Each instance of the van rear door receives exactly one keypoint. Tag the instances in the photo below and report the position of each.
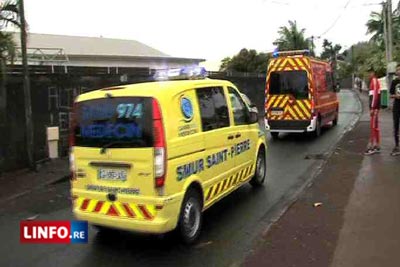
(288, 96)
(113, 145)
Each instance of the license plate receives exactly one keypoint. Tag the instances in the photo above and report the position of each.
(112, 175)
(276, 112)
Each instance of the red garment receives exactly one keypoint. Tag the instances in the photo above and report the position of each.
(375, 136)
(374, 91)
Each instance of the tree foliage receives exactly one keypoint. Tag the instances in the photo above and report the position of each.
(246, 61)
(329, 50)
(292, 38)
(9, 15)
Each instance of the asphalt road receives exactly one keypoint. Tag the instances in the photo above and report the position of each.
(230, 231)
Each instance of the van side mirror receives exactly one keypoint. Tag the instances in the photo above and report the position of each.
(253, 118)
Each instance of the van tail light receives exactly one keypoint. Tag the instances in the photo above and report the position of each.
(313, 107)
(160, 152)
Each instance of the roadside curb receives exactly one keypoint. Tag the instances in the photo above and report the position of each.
(47, 183)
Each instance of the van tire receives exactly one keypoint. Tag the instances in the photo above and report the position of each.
(260, 174)
(274, 135)
(191, 206)
(317, 132)
(335, 121)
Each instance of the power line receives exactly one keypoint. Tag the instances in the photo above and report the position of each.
(336, 20)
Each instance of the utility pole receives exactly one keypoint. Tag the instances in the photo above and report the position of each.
(385, 29)
(27, 90)
(390, 31)
(388, 26)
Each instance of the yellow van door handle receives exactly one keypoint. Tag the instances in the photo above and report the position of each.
(230, 137)
(238, 135)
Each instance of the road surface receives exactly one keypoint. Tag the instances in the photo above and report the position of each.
(230, 231)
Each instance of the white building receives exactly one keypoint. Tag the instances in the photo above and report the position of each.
(78, 51)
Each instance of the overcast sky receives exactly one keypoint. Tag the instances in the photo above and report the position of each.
(210, 29)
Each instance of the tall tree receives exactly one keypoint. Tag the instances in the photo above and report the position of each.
(292, 38)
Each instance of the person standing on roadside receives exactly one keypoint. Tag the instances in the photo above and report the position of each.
(375, 105)
(358, 83)
(395, 95)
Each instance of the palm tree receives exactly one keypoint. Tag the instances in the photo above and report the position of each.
(9, 14)
(375, 26)
(291, 38)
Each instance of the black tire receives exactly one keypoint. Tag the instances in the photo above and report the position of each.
(317, 132)
(191, 217)
(335, 121)
(261, 170)
(275, 135)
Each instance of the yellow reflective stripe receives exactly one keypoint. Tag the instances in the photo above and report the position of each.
(305, 110)
(299, 112)
(152, 210)
(91, 205)
(105, 208)
(292, 113)
(278, 100)
(299, 62)
(271, 99)
(79, 202)
(283, 65)
(284, 102)
(309, 104)
(120, 209)
(137, 211)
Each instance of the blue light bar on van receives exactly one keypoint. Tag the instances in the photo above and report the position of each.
(304, 52)
(185, 73)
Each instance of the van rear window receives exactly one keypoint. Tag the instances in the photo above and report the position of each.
(289, 82)
(119, 122)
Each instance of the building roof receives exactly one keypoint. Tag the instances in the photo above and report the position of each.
(91, 46)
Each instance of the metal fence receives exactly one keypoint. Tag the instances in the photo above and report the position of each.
(53, 89)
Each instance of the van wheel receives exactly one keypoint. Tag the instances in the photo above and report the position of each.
(275, 135)
(335, 121)
(191, 217)
(261, 170)
(317, 131)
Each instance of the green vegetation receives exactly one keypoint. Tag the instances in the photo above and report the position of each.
(246, 61)
(355, 60)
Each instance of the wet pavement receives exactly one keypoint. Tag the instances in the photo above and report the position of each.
(230, 230)
(349, 216)
(371, 234)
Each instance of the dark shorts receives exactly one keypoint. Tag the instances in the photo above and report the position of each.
(378, 106)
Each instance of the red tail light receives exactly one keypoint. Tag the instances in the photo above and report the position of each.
(159, 146)
(312, 107)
